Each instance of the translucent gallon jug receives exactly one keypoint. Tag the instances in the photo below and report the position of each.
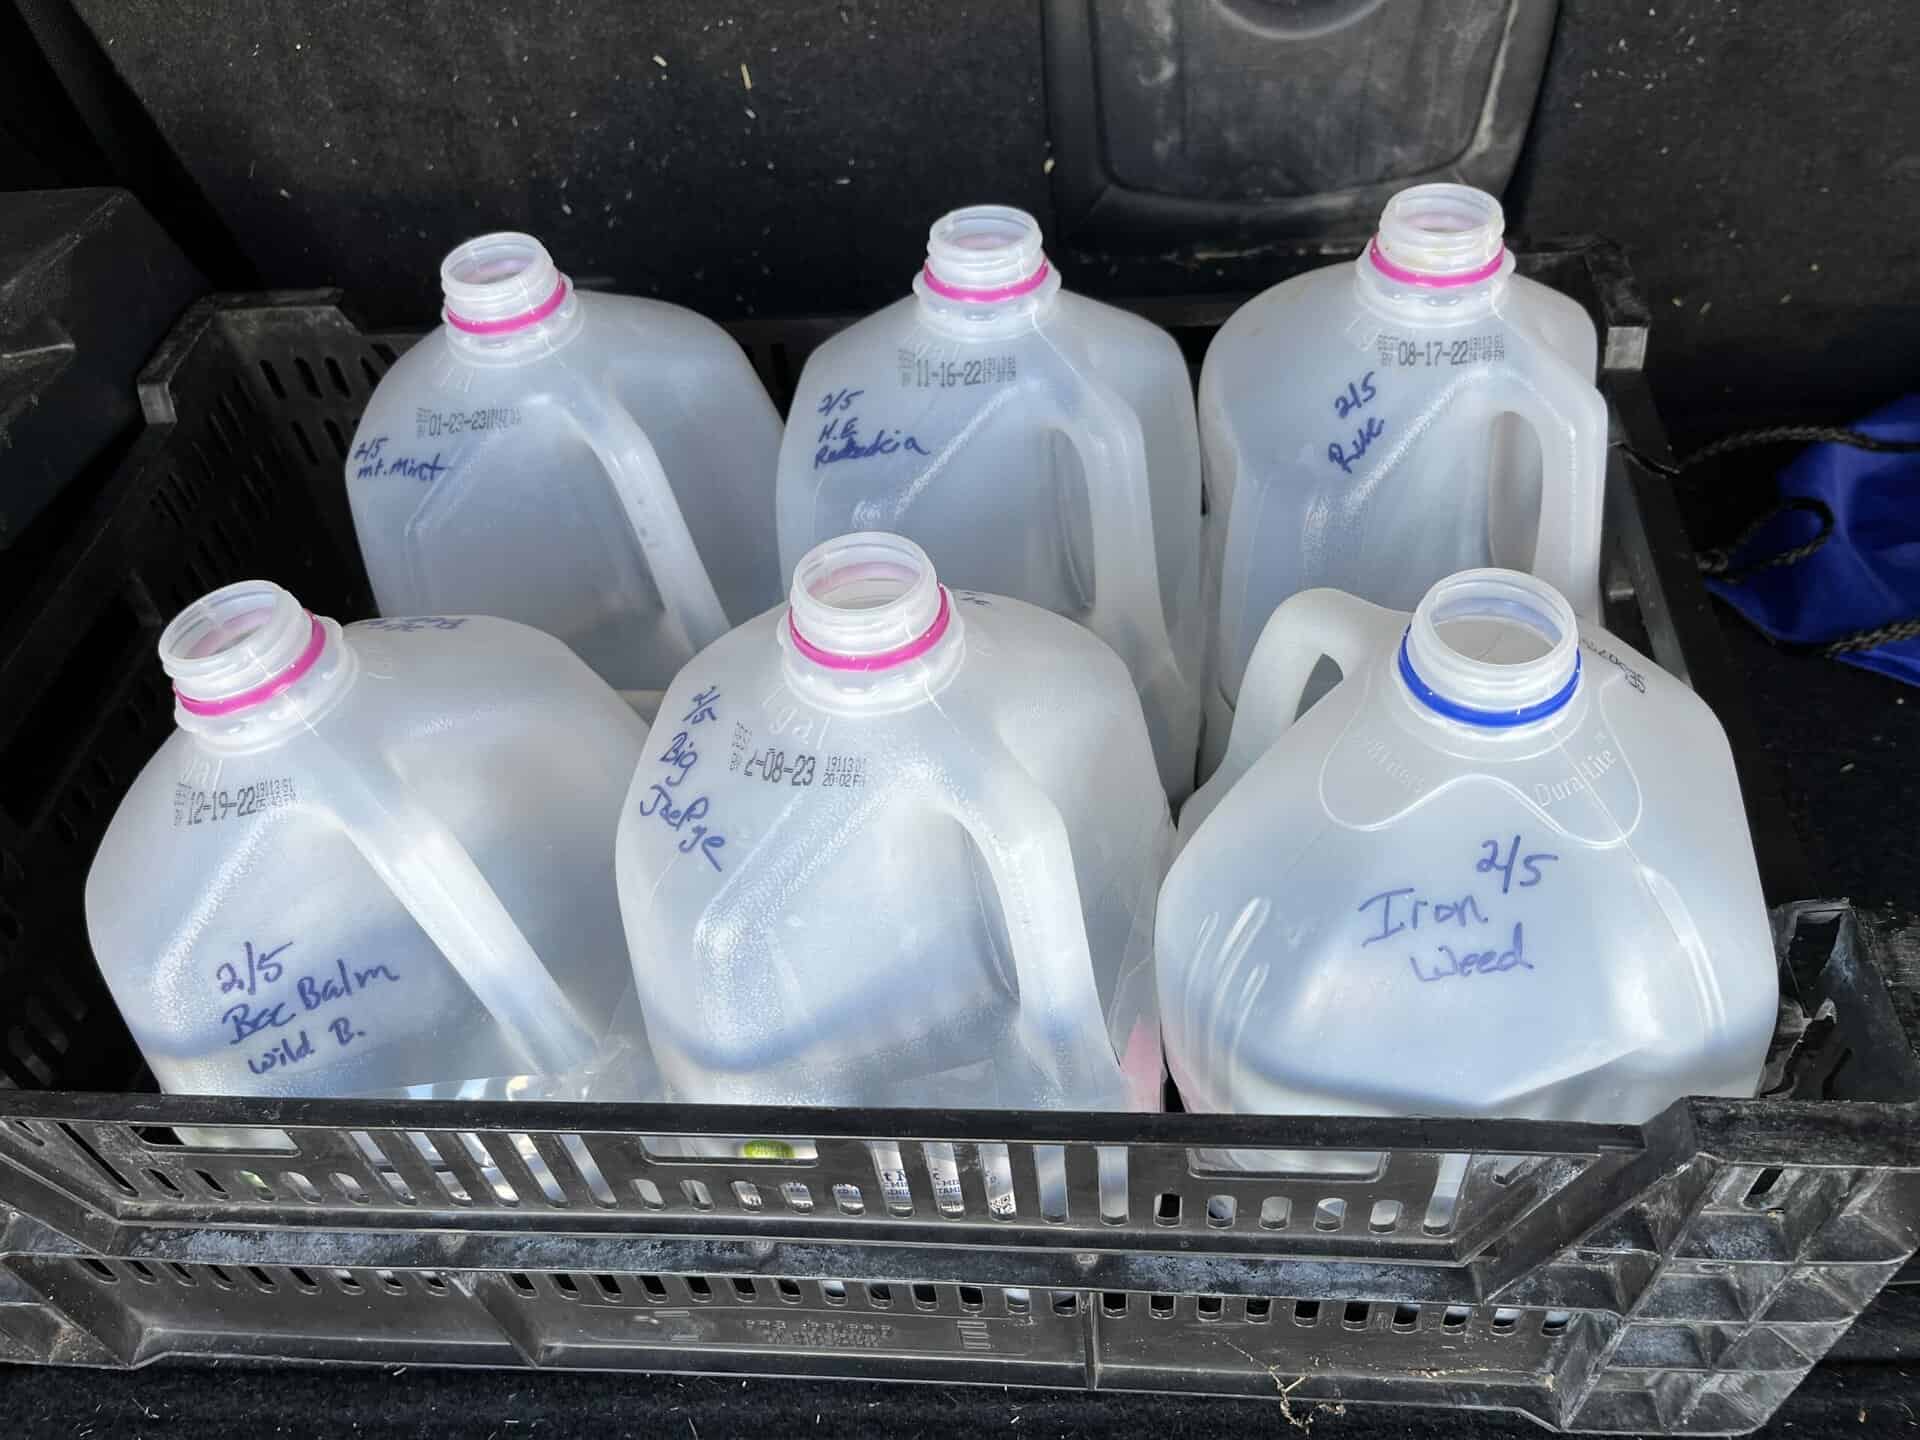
(1376, 425)
(1501, 869)
(597, 466)
(898, 845)
(371, 860)
(1037, 444)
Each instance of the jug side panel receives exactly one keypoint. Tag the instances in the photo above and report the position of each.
(1141, 362)
(252, 951)
(557, 750)
(694, 392)
(898, 427)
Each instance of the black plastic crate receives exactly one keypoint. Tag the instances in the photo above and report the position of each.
(1678, 1277)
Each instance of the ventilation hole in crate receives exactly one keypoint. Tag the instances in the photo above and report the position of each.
(537, 1166)
(307, 377)
(335, 435)
(391, 1282)
(182, 1275)
(386, 353)
(564, 1283)
(212, 1182)
(589, 1168)
(383, 1167)
(254, 1182)
(747, 1195)
(272, 377)
(372, 375)
(306, 445)
(996, 1178)
(1455, 1317)
(697, 1194)
(943, 1172)
(1160, 1307)
(1166, 1209)
(925, 1296)
(1354, 1317)
(798, 1198)
(1113, 1302)
(1385, 1218)
(1449, 1175)
(220, 1277)
(879, 1295)
(890, 1171)
(99, 1271)
(649, 1194)
(351, 1188)
(1259, 1310)
(653, 1287)
(1761, 1196)
(338, 376)
(261, 1279)
(141, 1272)
(1209, 1307)
(490, 1171)
(1406, 1317)
(834, 1292)
(1505, 1321)
(609, 1288)
(9, 925)
(1050, 1176)
(847, 1197)
(1306, 1312)
(218, 427)
(112, 1176)
(1019, 1301)
(348, 1282)
(303, 1278)
(236, 405)
(699, 1287)
(434, 1282)
(1330, 1214)
(1112, 1163)
(67, 830)
(743, 1288)
(1556, 1322)
(1220, 1211)
(1066, 1302)
(787, 1290)
(1275, 1212)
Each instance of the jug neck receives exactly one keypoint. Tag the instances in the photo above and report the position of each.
(1439, 255)
(985, 272)
(868, 626)
(251, 665)
(505, 300)
(1493, 653)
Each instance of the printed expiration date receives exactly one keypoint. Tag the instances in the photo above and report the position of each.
(927, 372)
(193, 806)
(1399, 351)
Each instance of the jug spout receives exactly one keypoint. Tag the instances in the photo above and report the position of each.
(500, 289)
(249, 658)
(1493, 649)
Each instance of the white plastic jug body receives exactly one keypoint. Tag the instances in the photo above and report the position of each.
(895, 845)
(1375, 426)
(371, 860)
(597, 466)
(1501, 869)
(1037, 444)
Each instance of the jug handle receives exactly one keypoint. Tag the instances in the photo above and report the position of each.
(653, 514)
(1113, 455)
(1307, 627)
(435, 878)
(1023, 839)
(1569, 417)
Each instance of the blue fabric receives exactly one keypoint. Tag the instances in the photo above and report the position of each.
(1868, 572)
